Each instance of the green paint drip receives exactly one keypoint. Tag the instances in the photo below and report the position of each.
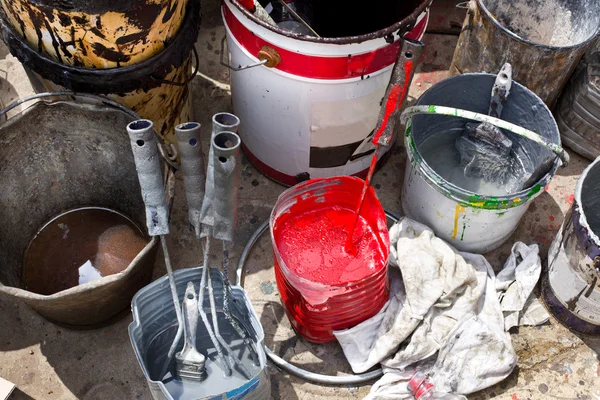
(462, 235)
(431, 109)
(534, 190)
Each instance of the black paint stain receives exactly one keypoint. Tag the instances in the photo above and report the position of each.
(97, 32)
(143, 15)
(134, 37)
(170, 11)
(109, 54)
(80, 20)
(64, 19)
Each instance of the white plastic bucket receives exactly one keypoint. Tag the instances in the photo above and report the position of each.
(312, 115)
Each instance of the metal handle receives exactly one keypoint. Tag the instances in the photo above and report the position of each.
(500, 123)
(192, 166)
(267, 56)
(147, 163)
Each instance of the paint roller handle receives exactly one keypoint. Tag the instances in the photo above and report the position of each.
(192, 167)
(147, 163)
(402, 74)
(500, 123)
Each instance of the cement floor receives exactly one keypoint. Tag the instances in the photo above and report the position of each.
(48, 362)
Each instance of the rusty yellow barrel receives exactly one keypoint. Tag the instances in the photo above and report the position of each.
(137, 52)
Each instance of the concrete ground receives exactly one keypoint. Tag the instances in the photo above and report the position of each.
(49, 362)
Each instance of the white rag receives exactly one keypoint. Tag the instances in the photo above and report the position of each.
(444, 317)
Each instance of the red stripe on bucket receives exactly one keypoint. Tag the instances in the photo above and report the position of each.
(318, 67)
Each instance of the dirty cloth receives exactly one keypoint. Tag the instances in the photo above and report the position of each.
(444, 317)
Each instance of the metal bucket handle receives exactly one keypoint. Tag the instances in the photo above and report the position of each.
(500, 123)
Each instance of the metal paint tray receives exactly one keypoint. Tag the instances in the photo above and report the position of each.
(153, 330)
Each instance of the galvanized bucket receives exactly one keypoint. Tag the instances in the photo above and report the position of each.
(68, 152)
(571, 287)
(578, 109)
(154, 327)
(467, 220)
(156, 87)
(516, 32)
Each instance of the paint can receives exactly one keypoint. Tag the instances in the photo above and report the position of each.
(150, 78)
(578, 109)
(318, 305)
(542, 40)
(571, 286)
(471, 221)
(154, 327)
(85, 162)
(310, 110)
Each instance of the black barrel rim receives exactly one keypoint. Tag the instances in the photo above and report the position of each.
(147, 74)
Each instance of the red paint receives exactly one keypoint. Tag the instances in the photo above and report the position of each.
(395, 100)
(248, 5)
(323, 286)
(319, 67)
(552, 218)
(514, 397)
(571, 199)
(350, 244)
(312, 245)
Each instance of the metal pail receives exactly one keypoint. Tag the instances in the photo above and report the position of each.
(542, 40)
(311, 110)
(467, 220)
(571, 287)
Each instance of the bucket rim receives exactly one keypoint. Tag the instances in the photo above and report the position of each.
(513, 35)
(320, 185)
(146, 74)
(578, 204)
(401, 27)
(467, 197)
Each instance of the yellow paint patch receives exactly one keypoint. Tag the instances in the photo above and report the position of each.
(517, 200)
(478, 203)
(459, 209)
(439, 215)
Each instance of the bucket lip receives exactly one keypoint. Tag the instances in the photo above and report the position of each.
(579, 205)
(146, 74)
(469, 198)
(402, 26)
(318, 285)
(539, 45)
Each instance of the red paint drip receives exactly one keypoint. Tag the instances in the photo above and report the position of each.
(350, 247)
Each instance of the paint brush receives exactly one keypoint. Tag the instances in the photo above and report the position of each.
(396, 92)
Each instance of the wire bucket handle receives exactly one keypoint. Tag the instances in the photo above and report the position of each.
(500, 123)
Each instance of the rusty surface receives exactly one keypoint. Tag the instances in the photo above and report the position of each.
(90, 34)
(146, 74)
(399, 28)
(271, 55)
(484, 46)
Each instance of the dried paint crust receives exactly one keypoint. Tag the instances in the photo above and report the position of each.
(109, 35)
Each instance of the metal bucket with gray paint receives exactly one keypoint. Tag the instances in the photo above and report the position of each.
(571, 287)
(468, 220)
(542, 40)
(154, 327)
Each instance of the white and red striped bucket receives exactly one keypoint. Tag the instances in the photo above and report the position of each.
(313, 114)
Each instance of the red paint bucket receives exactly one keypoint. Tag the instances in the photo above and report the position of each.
(324, 286)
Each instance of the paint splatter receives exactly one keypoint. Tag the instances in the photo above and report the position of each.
(569, 199)
(552, 218)
(459, 209)
(514, 397)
